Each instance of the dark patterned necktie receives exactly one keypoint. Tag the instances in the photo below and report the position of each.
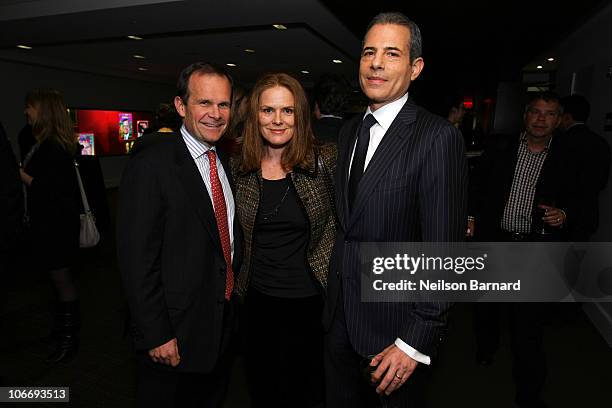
(357, 168)
(221, 216)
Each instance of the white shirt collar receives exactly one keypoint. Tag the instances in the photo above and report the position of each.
(385, 115)
(195, 146)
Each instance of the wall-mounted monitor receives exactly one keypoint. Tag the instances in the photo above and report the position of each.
(126, 130)
(142, 126)
(86, 140)
(113, 132)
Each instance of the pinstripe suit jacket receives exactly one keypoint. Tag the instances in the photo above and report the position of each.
(414, 189)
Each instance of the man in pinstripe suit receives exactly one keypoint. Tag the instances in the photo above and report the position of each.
(402, 177)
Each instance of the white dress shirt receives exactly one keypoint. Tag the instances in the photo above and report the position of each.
(198, 150)
(384, 116)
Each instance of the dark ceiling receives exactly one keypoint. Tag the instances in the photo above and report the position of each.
(468, 45)
(471, 45)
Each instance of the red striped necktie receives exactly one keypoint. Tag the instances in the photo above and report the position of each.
(221, 216)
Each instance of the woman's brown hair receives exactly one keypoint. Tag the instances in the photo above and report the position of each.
(52, 119)
(299, 147)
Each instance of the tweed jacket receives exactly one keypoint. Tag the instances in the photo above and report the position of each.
(314, 186)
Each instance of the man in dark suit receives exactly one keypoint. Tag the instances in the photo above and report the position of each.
(524, 189)
(331, 94)
(591, 152)
(402, 177)
(518, 174)
(178, 247)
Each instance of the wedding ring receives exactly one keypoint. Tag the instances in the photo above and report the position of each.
(397, 376)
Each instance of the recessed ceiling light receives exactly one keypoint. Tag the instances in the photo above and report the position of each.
(134, 37)
(337, 61)
(229, 64)
(138, 56)
(249, 50)
(539, 67)
(305, 72)
(279, 26)
(551, 59)
(143, 69)
(24, 47)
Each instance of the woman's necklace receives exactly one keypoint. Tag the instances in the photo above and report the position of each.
(266, 216)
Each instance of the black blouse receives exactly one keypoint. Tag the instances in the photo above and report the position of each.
(280, 243)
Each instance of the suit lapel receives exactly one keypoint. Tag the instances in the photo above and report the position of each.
(391, 144)
(196, 192)
(342, 183)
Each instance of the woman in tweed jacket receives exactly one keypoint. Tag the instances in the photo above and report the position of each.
(285, 203)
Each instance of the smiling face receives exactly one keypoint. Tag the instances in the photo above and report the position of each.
(385, 68)
(276, 116)
(207, 109)
(541, 119)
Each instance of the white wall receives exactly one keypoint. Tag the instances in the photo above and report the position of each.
(81, 90)
(586, 53)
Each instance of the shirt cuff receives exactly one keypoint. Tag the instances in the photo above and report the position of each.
(412, 353)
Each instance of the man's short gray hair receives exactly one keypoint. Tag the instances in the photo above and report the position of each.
(416, 41)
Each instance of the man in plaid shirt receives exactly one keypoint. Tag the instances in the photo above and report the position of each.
(524, 189)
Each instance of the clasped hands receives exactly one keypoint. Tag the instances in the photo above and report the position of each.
(393, 368)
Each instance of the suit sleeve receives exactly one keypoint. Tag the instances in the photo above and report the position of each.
(443, 189)
(140, 228)
(443, 205)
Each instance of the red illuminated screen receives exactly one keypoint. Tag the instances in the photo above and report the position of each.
(113, 131)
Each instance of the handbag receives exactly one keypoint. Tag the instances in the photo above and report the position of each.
(89, 235)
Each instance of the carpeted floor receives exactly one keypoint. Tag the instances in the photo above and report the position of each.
(102, 373)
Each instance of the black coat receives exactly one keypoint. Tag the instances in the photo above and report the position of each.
(170, 254)
(327, 130)
(53, 203)
(492, 180)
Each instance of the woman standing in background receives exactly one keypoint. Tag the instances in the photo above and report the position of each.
(52, 197)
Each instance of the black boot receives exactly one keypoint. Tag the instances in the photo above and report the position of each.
(67, 323)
